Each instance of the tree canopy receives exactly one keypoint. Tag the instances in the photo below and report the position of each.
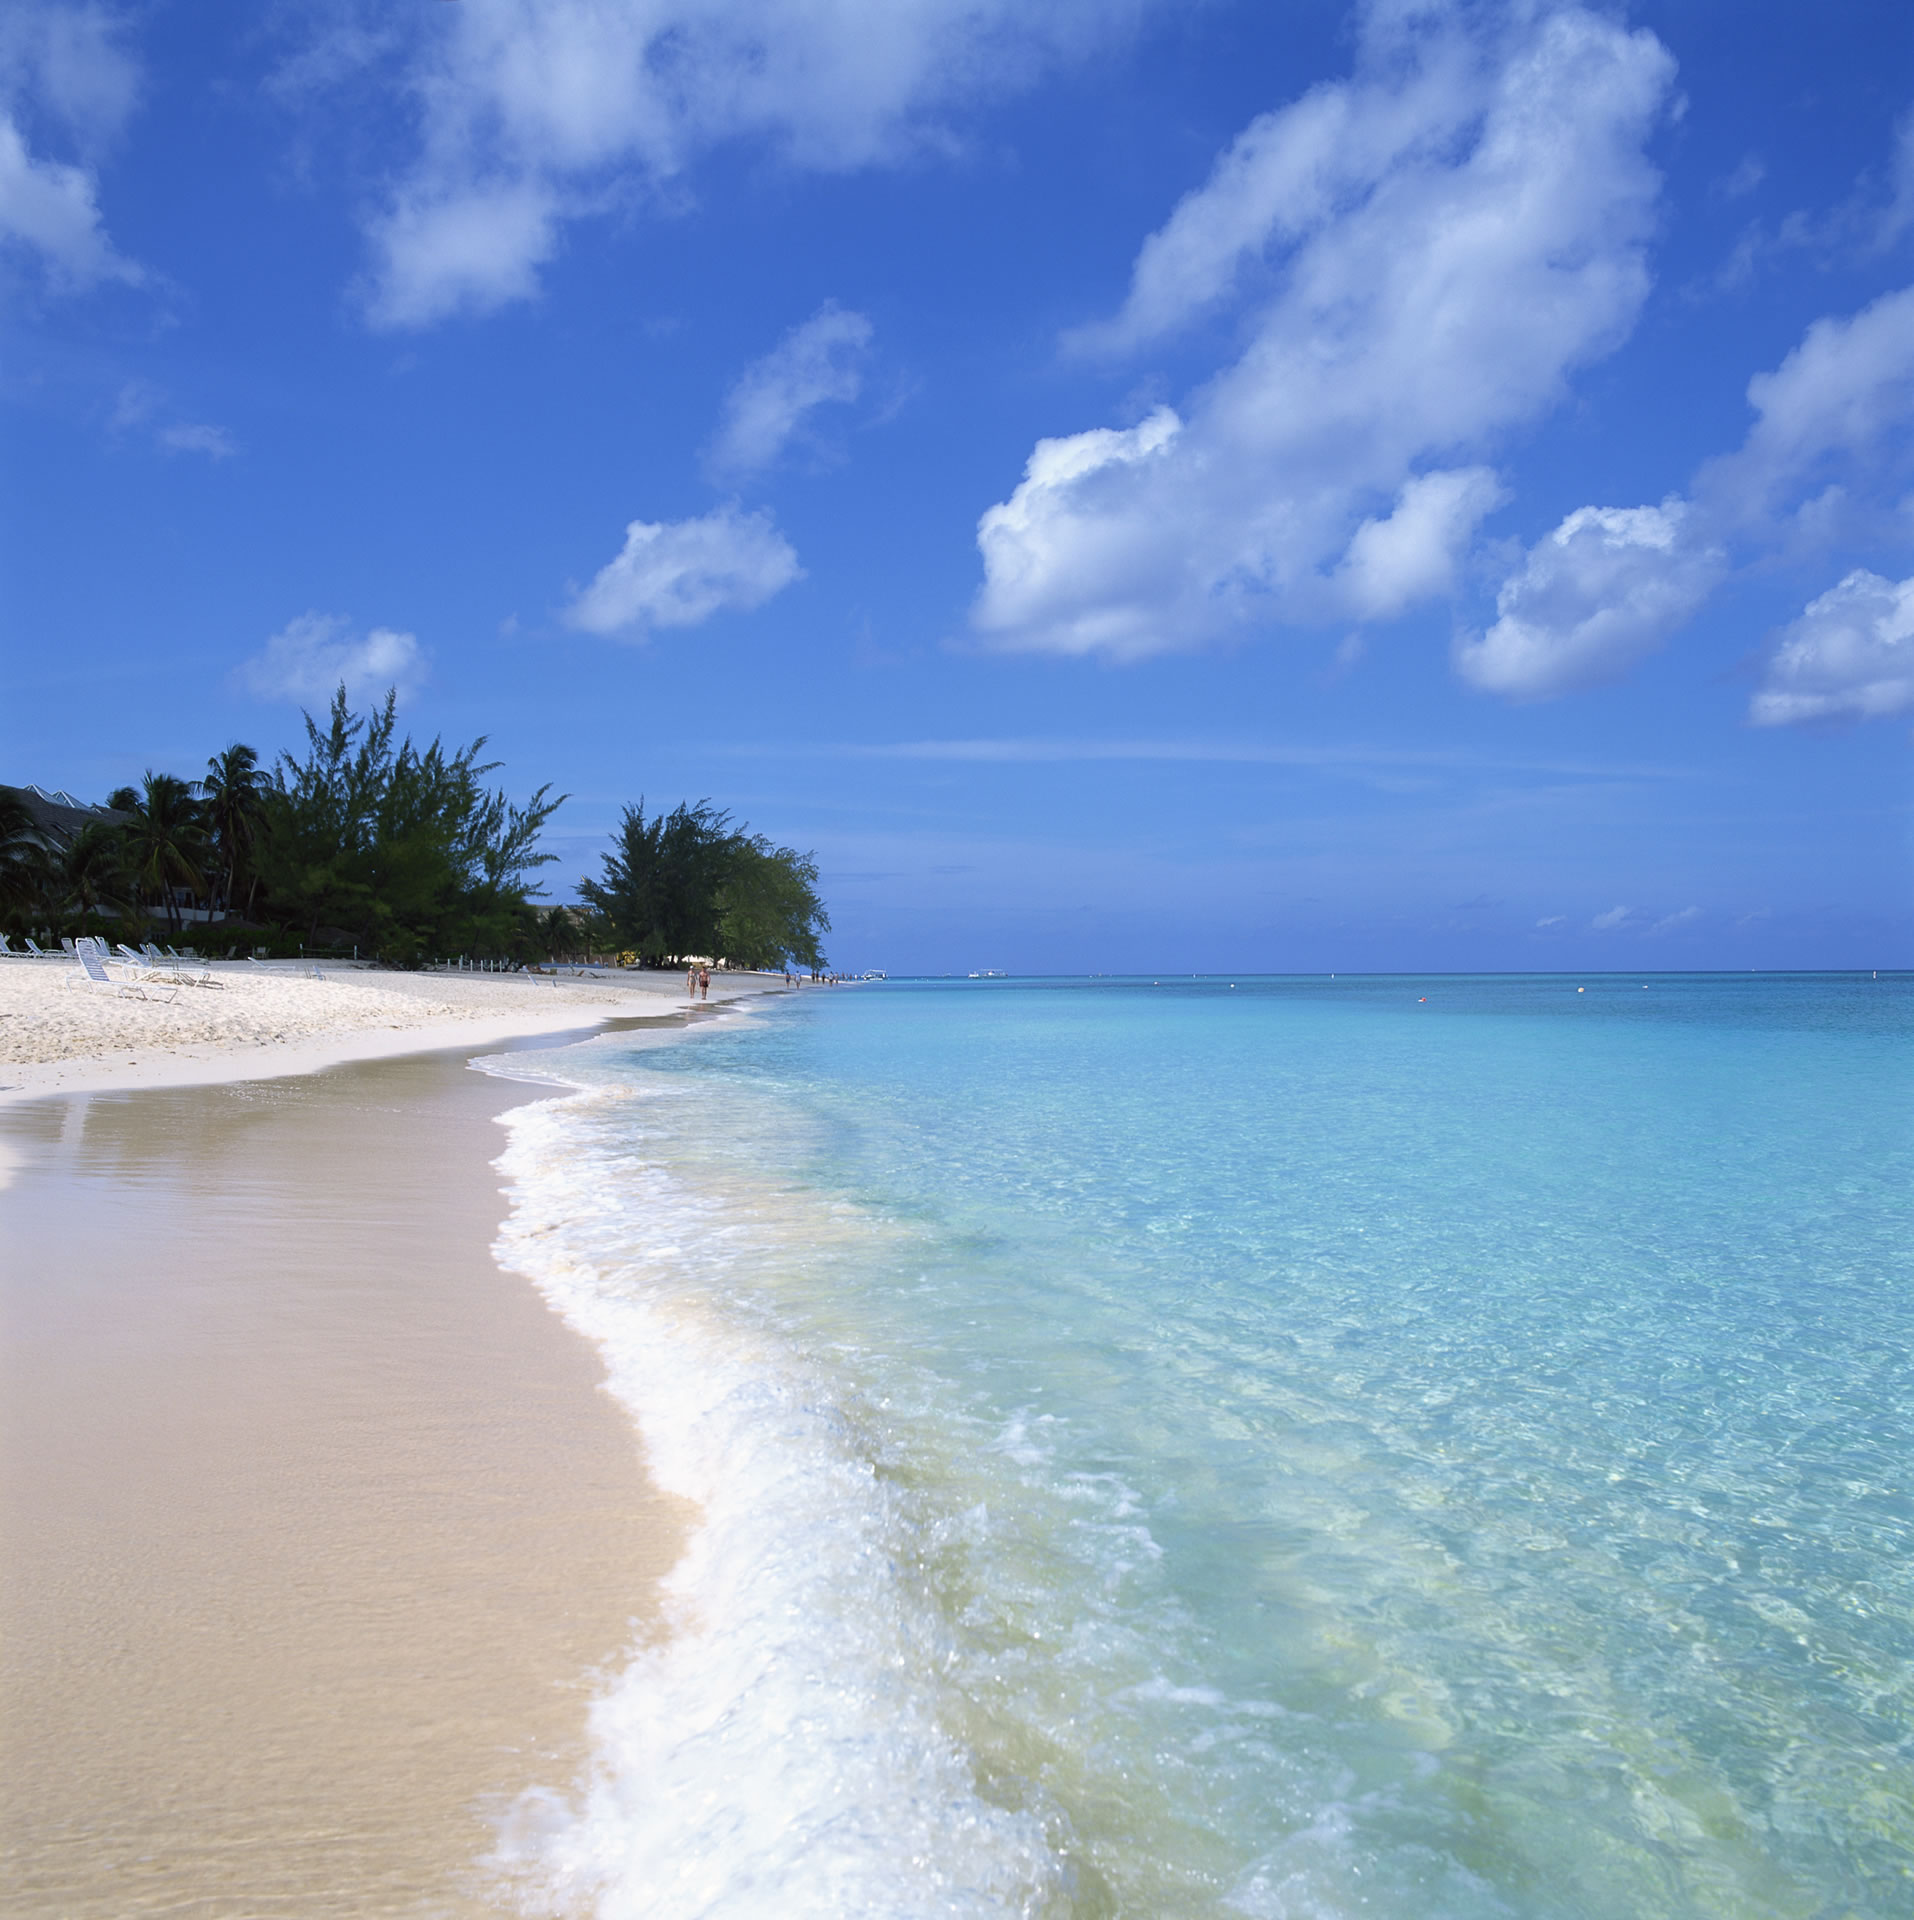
(400, 845)
(689, 882)
(403, 849)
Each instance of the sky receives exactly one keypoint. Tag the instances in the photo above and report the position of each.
(1135, 485)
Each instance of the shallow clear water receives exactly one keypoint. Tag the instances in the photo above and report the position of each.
(1283, 1447)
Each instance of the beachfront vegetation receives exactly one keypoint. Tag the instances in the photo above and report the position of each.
(368, 839)
(402, 845)
(689, 882)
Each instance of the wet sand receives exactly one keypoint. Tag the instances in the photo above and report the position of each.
(314, 1529)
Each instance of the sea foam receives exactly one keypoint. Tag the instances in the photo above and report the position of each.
(783, 1747)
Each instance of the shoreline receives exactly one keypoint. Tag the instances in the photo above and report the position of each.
(272, 1022)
(322, 1527)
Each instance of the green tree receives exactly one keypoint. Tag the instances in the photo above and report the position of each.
(233, 795)
(688, 882)
(166, 841)
(89, 874)
(662, 881)
(769, 912)
(402, 846)
(558, 933)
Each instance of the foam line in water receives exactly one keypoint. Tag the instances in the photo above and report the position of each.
(782, 1749)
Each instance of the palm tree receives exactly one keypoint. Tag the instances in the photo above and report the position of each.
(234, 807)
(89, 872)
(559, 932)
(166, 840)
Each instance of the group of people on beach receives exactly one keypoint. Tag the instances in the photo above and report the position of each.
(698, 981)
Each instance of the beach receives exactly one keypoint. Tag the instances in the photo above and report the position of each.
(1208, 1447)
(275, 1018)
(317, 1529)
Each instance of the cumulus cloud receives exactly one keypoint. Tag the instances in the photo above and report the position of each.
(63, 77)
(531, 116)
(1850, 656)
(814, 365)
(1287, 174)
(1607, 586)
(679, 573)
(1611, 584)
(311, 656)
(1614, 918)
(1840, 401)
(1443, 239)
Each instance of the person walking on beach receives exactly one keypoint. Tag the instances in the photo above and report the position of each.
(691, 983)
(704, 983)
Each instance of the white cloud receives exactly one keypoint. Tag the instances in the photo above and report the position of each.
(52, 210)
(478, 250)
(1460, 226)
(1674, 922)
(1611, 584)
(1615, 917)
(138, 407)
(1289, 173)
(309, 657)
(215, 442)
(1847, 389)
(1850, 656)
(68, 60)
(1554, 920)
(61, 70)
(1606, 587)
(534, 115)
(1391, 564)
(679, 573)
(812, 366)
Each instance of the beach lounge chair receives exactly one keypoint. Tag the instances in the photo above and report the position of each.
(189, 974)
(144, 969)
(93, 973)
(38, 952)
(7, 952)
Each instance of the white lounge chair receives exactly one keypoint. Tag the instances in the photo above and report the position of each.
(38, 952)
(140, 961)
(93, 973)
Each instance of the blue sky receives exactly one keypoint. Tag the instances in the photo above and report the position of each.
(1132, 485)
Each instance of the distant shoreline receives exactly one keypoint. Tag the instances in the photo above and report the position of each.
(272, 1021)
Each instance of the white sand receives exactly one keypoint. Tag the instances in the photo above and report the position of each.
(264, 1021)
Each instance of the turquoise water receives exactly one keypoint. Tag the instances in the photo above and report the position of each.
(1286, 1447)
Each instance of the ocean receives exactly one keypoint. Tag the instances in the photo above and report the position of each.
(1286, 1447)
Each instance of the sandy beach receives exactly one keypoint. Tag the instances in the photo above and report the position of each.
(255, 1020)
(316, 1528)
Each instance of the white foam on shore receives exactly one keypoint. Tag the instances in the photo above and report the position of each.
(786, 1748)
